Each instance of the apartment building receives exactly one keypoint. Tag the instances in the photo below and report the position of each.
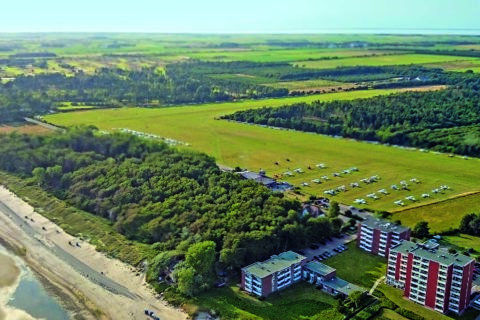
(278, 272)
(431, 276)
(377, 236)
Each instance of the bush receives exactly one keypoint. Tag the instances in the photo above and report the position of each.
(348, 213)
(261, 298)
(408, 314)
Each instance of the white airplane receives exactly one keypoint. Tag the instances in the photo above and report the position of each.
(321, 166)
(394, 187)
(325, 178)
(383, 191)
(425, 195)
(316, 181)
(399, 202)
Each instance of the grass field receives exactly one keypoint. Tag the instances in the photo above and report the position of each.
(382, 61)
(462, 241)
(348, 267)
(301, 301)
(281, 55)
(392, 315)
(441, 215)
(255, 147)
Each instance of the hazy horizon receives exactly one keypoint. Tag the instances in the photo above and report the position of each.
(247, 16)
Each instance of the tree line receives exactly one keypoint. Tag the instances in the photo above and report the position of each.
(162, 196)
(444, 120)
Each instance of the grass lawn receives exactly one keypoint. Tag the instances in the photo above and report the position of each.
(441, 215)
(255, 147)
(381, 61)
(462, 241)
(391, 315)
(301, 301)
(358, 266)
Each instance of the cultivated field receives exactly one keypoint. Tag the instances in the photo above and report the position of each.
(25, 128)
(309, 85)
(255, 147)
(385, 60)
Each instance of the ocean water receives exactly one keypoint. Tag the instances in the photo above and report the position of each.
(30, 297)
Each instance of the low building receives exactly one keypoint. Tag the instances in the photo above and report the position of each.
(341, 287)
(279, 272)
(377, 236)
(259, 177)
(430, 276)
(316, 272)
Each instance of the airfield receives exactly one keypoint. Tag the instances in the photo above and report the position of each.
(282, 151)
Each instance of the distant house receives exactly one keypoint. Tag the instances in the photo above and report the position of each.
(268, 182)
(259, 177)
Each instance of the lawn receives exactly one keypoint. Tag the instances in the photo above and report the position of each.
(381, 61)
(300, 301)
(255, 147)
(441, 215)
(358, 266)
(391, 315)
(463, 241)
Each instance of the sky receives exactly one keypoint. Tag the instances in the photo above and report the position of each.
(240, 16)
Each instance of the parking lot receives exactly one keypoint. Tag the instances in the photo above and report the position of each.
(328, 246)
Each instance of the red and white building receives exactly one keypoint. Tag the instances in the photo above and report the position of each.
(279, 272)
(377, 236)
(431, 277)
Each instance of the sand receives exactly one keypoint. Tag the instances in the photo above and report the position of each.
(81, 295)
(9, 271)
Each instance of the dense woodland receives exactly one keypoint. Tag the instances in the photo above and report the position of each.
(445, 120)
(153, 193)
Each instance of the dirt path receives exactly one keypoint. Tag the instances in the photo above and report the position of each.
(376, 284)
(77, 270)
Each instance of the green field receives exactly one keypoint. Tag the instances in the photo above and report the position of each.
(280, 55)
(301, 301)
(382, 61)
(372, 267)
(254, 147)
(441, 215)
(463, 241)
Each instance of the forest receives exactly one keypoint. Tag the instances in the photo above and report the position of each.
(155, 194)
(444, 120)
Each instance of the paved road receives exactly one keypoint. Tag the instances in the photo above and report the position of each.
(89, 273)
(379, 280)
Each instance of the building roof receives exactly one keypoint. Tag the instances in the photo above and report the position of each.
(274, 264)
(420, 250)
(384, 225)
(319, 268)
(257, 177)
(342, 286)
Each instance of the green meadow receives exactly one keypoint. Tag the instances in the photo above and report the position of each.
(254, 147)
(384, 60)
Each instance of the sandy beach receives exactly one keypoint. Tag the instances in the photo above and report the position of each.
(73, 273)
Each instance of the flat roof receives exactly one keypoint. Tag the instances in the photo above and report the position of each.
(419, 249)
(342, 286)
(384, 225)
(257, 177)
(274, 264)
(320, 268)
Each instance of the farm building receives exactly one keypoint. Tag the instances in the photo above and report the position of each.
(268, 182)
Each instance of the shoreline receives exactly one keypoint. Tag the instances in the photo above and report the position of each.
(74, 304)
(72, 273)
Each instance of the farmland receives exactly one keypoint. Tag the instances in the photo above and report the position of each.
(255, 147)
(384, 60)
(24, 128)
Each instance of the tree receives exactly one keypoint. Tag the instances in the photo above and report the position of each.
(452, 251)
(356, 297)
(421, 230)
(159, 264)
(334, 209)
(201, 257)
(337, 224)
(352, 222)
(185, 278)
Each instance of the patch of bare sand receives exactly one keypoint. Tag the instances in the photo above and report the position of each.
(9, 271)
